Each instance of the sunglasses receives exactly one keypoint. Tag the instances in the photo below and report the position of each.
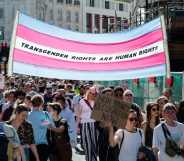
(129, 95)
(169, 111)
(154, 109)
(94, 94)
(131, 119)
(119, 94)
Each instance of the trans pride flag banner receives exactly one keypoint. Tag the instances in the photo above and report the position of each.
(43, 50)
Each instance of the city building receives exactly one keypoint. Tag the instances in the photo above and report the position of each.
(62, 13)
(94, 16)
(87, 15)
(8, 10)
(106, 15)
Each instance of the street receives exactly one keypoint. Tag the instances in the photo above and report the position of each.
(77, 157)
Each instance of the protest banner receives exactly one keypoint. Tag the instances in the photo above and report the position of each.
(43, 50)
(109, 108)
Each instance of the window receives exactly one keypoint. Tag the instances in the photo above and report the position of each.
(60, 15)
(76, 2)
(107, 5)
(68, 1)
(121, 6)
(51, 15)
(76, 17)
(105, 23)
(92, 3)
(1, 13)
(1, 33)
(68, 16)
(68, 27)
(76, 28)
(60, 24)
(59, 1)
(89, 22)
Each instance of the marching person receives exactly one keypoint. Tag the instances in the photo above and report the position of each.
(172, 129)
(25, 133)
(128, 139)
(60, 141)
(9, 141)
(152, 120)
(88, 125)
(40, 121)
(162, 100)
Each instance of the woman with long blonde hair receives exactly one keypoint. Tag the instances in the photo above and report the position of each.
(89, 128)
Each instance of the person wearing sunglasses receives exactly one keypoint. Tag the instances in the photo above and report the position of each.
(128, 97)
(128, 139)
(176, 131)
(152, 120)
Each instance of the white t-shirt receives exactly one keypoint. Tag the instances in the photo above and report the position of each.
(130, 145)
(159, 140)
(86, 111)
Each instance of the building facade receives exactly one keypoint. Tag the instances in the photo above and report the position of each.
(62, 13)
(94, 16)
(101, 16)
(8, 10)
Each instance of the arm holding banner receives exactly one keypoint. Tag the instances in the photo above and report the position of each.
(113, 138)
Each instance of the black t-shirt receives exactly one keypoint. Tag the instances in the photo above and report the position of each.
(7, 113)
(64, 135)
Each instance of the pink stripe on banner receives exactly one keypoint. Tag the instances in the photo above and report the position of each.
(73, 46)
(25, 57)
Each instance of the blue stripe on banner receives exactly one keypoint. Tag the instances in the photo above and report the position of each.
(54, 31)
(21, 68)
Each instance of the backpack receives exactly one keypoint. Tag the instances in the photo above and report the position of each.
(171, 148)
(145, 153)
(113, 152)
(3, 144)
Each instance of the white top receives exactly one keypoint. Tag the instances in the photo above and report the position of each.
(130, 145)
(75, 103)
(10, 133)
(159, 141)
(86, 111)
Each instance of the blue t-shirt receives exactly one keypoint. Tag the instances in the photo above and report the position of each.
(40, 121)
(68, 115)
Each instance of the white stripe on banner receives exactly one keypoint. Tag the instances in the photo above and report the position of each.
(29, 69)
(104, 38)
(41, 50)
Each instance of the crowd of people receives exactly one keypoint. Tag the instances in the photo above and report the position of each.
(43, 119)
